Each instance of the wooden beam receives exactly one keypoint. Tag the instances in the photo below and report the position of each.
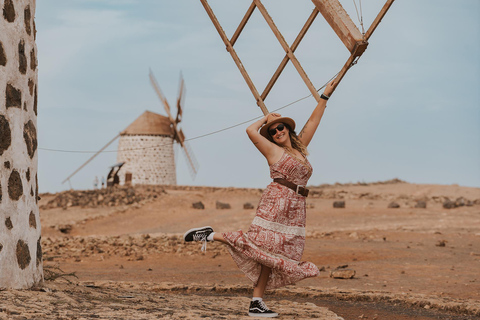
(242, 24)
(235, 57)
(359, 50)
(340, 22)
(287, 49)
(294, 47)
(344, 70)
(378, 19)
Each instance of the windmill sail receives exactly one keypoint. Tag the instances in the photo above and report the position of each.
(159, 92)
(179, 137)
(91, 158)
(180, 99)
(191, 160)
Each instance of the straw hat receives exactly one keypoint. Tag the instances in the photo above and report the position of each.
(272, 120)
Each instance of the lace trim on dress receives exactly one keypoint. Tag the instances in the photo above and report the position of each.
(278, 227)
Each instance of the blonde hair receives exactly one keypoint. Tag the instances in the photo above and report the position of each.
(295, 141)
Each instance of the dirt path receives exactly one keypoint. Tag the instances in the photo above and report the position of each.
(412, 263)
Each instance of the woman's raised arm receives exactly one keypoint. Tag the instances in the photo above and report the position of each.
(269, 149)
(311, 126)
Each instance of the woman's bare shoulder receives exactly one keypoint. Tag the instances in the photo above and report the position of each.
(276, 155)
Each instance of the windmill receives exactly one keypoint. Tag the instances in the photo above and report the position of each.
(179, 137)
(145, 150)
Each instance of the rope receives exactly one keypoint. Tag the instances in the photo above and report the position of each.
(359, 17)
(200, 136)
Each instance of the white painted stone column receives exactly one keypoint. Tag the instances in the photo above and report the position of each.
(21, 264)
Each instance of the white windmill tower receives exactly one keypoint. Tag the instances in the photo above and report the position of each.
(146, 147)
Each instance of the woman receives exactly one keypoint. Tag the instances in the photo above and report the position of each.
(270, 252)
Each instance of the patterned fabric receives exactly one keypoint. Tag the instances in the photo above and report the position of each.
(276, 237)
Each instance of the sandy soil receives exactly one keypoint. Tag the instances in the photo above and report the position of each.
(410, 263)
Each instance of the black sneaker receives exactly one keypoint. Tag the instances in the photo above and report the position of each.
(260, 309)
(198, 234)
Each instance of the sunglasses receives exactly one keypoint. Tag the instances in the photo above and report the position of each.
(273, 131)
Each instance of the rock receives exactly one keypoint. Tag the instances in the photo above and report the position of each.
(342, 274)
(421, 204)
(65, 228)
(339, 204)
(112, 196)
(441, 243)
(248, 206)
(460, 202)
(315, 194)
(198, 205)
(221, 205)
(448, 204)
(393, 205)
(353, 235)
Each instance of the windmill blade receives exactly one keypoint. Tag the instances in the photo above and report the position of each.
(157, 89)
(191, 160)
(180, 99)
(91, 158)
(187, 151)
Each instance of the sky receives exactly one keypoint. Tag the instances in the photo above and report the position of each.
(410, 108)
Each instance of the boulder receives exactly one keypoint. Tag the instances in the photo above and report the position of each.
(393, 205)
(342, 274)
(222, 206)
(460, 202)
(248, 206)
(441, 243)
(421, 204)
(198, 205)
(339, 204)
(65, 228)
(448, 204)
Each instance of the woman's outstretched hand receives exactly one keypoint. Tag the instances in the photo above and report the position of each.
(329, 88)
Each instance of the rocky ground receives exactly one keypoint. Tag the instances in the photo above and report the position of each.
(413, 251)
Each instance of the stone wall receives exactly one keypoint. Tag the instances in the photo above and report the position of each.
(150, 159)
(20, 250)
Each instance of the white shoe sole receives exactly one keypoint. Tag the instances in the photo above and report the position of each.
(264, 315)
(194, 229)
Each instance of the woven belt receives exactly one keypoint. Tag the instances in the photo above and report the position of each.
(299, 189)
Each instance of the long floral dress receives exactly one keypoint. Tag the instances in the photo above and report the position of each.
(276, 237)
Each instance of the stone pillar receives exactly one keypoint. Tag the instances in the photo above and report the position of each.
(20, 250)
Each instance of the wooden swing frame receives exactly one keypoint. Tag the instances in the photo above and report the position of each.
(334, 14)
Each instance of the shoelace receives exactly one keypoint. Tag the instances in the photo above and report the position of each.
(201, 237)
(263, 306)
